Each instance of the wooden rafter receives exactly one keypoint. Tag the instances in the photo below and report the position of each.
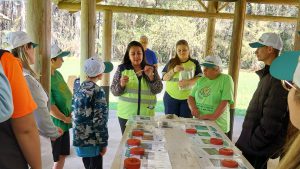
(203, 5)
(282, 2)
(168, 12)
(222, 6)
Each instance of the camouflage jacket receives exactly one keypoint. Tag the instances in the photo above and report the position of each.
(90, 115)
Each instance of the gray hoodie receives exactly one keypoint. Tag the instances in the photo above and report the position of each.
(41, 114)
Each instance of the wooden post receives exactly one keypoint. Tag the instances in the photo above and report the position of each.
(87, 33)
(106, 48)
(297, 35)
(210, 34)
(235, 51)
(38, 26)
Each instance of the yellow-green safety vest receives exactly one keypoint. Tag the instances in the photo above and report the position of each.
(129, 101)
(172, 87)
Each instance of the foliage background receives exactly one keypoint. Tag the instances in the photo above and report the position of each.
(163, 32)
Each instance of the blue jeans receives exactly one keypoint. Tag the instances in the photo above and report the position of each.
(178, 107)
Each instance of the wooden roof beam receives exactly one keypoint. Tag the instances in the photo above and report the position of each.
(223, 6)
(203, 5)
(169, 12)
(279, 2)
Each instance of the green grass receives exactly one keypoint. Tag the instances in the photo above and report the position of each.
(246, 86)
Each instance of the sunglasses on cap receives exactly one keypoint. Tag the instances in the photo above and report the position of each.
(287, 85)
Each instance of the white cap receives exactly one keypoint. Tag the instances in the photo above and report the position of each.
(268, 39)
(95, 66)
(57, 52)
(212, 61)
(19, 38)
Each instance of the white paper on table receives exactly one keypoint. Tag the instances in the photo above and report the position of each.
(216, 164)
(161, 160)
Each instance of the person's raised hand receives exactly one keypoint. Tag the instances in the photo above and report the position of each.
(149, 71)
(178, 68)
(124, 80)
(183, 83)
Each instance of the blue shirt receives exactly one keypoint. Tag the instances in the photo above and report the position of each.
(90, 151)
(150, 57)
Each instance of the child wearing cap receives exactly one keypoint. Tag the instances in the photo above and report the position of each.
(212, 94)
(90, 115)
(61, 105)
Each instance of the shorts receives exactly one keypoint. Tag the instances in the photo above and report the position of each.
(61, 146)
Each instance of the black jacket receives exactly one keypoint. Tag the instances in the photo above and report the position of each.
(265, 125)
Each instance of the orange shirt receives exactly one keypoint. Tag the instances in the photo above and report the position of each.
(22, 99)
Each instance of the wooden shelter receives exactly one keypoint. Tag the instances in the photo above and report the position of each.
(39, 21)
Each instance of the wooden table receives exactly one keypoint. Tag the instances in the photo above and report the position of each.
(183, 153)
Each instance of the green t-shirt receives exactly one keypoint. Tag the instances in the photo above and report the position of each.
(208, 95)
(61, 97)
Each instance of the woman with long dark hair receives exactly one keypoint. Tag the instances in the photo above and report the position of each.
(136, 84)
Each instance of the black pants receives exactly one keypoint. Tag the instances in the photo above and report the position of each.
(122, 124)
(92, 162)
(61, 146)
(258, 162)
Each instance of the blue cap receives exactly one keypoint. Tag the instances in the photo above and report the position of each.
(256, 45)
(284, 66)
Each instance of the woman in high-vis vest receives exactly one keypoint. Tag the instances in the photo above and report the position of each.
(136, 83)
(180, 74)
